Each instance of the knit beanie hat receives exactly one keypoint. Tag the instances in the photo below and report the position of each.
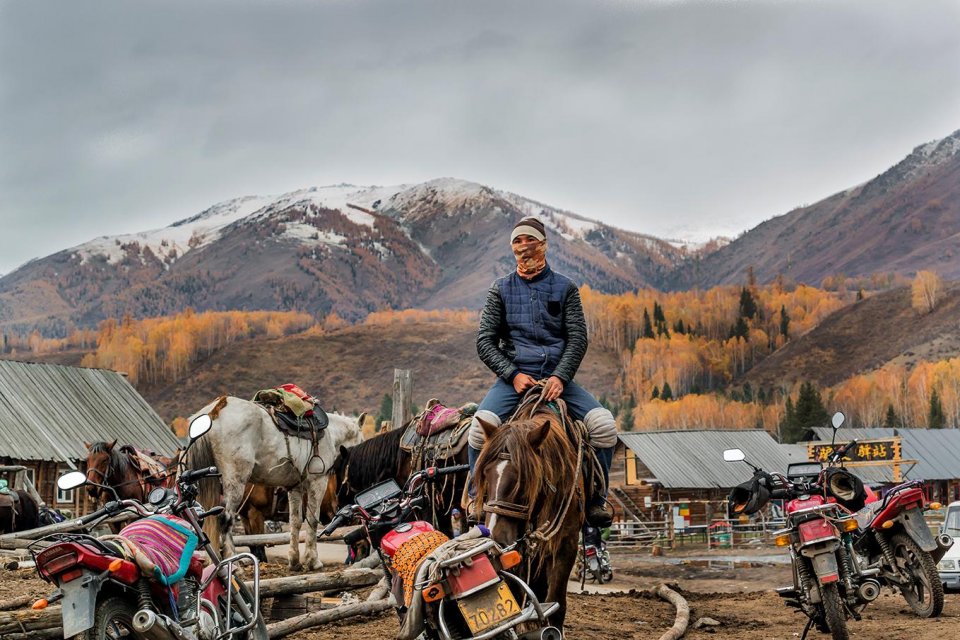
(529, 227)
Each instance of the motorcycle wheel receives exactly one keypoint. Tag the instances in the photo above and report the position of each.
(114, 619)
(606, 575)
(836, 618)
(925, 595)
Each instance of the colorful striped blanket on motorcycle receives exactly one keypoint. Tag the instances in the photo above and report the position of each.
(161, 545)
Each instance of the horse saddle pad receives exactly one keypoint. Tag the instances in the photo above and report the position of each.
(151, 468)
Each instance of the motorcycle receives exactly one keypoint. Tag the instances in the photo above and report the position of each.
(818, 536)
(594, 559)
(893, 544)
(106, 594)
(463, 588)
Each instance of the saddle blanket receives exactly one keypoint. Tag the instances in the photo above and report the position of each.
(439, 433)
(161, 545)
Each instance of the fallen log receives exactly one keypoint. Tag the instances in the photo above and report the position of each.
(29, 620)
(16, 603)
(310, 582)
(13, 565)
(45, 634)
(272, 539)
(682, 618)
(21, 539)
(307, 620)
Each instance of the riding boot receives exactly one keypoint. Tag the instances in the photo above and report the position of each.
(597, 514)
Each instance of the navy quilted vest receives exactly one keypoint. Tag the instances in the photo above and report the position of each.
(534, 310)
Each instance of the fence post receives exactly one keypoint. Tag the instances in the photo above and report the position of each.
(402, 397)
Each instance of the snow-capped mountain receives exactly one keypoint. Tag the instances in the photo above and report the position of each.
(343, 248)
(904, 220)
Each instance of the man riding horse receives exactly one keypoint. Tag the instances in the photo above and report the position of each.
(532, 331)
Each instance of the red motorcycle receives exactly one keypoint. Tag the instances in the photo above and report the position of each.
(106, 593)
(825, 587)
(446, 589)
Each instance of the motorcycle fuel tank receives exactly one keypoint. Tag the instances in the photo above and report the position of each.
(401, 533)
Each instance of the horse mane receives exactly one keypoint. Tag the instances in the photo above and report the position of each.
(375, 459)
(546, 474)
(119, 463)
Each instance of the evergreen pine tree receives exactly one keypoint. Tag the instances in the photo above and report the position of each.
(678, 328)
(658, 313)
(656, 393)
(748, 306)
(647, 327)
(740, 330)
(747, 392)
(667, 393)
(784, 323)
(627, 413)
(890, 421)
(859, 294)
(809, 412)
(386, 410)
(936, 418)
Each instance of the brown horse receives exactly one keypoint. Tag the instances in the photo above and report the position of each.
(112, 466)
(531, 485)
(262, 503)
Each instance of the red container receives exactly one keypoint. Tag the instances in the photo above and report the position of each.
(401, 533)
(469, 577)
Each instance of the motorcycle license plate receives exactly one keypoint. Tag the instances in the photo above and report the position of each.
(488, 608)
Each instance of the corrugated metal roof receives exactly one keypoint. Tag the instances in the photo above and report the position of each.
(694, 459)
(937, 451)
(47, 411)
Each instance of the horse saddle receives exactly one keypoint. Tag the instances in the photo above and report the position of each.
(151, 469)
(294, 412)
(439, 432)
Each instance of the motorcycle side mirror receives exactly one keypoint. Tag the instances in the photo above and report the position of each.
(199, 426)
(71, 480)
(837, 420)
(734, 455)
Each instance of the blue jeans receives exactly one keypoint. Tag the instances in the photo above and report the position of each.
(502, 399)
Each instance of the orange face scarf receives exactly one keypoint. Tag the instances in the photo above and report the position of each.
(531, 258)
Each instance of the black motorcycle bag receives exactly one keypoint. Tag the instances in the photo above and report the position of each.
(845, 487)
(749, 497)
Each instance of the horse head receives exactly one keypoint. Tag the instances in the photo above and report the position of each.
(98, 464)
(339, 471)
(528, 482)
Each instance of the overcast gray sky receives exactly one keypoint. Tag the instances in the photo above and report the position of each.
(673, 118)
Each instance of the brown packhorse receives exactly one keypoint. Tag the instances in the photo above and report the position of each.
(530, 482)
(112, 466)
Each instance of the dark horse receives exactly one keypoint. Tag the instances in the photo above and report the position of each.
(112, 466)
(531, 484)
(380, 458)
(18, 511)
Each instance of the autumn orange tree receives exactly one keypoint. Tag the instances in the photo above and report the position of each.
(162, 349)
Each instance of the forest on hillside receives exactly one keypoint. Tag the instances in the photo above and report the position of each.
(681, 355)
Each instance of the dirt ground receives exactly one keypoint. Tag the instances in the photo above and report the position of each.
(733, 589)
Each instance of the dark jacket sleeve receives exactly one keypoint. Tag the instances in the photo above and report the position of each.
(492, 318)
(575, 326)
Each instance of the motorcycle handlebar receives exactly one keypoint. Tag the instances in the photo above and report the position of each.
(112, 508)
(334, 524)
(197, 474)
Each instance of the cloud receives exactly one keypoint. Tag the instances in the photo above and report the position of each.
(662, 117)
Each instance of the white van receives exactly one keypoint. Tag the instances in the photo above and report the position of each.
(949, 566)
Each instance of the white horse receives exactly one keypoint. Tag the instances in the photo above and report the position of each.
(246, 446)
